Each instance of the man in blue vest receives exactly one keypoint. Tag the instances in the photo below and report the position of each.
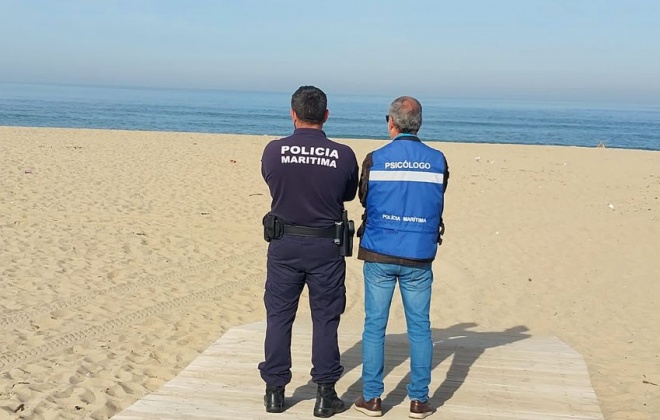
(309, 177)
(402, 187)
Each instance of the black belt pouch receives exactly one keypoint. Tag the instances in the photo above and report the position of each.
(273, 227)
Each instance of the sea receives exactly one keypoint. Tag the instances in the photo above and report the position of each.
(626, 126)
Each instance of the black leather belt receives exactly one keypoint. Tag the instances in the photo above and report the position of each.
(329, 232)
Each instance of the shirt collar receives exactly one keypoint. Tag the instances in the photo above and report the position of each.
(406, 136)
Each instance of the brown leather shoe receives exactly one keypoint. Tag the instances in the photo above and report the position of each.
(420, 410)
(371, 408)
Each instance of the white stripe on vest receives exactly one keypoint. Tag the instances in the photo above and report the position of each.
(407, 176)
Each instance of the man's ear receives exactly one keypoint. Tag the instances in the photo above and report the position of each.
(327, 114)
(294, 117)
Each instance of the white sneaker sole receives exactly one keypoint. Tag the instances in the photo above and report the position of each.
(368, 412)
(420, 415)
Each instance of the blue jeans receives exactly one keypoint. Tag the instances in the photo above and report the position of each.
(415, 287)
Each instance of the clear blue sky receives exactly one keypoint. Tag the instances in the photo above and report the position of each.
(535, 49)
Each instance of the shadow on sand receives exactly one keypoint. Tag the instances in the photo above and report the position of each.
(459, 341)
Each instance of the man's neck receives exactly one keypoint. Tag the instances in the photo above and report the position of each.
(308, 125)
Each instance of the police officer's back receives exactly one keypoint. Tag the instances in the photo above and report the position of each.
(309, 177)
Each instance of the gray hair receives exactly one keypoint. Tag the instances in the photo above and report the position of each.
(406, 114)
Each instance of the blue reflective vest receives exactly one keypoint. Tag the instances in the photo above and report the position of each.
(404, 200)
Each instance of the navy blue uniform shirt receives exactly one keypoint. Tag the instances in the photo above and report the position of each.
(309, 177)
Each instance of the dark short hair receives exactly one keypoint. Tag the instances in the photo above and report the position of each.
(310, 104)
(406, 113)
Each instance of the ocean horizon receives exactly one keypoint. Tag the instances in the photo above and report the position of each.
(626, 126)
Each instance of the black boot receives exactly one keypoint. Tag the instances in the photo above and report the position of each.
(327, 401)
(274, 399)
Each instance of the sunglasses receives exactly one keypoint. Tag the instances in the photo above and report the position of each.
(387, 118)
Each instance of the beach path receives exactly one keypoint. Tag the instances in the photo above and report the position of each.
(477, 375)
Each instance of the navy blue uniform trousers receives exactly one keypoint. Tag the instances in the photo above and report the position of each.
(293, 262)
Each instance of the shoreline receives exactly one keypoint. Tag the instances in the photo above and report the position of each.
(348, 138)
(124, 254)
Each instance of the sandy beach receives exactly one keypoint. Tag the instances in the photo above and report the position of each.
(123, 255)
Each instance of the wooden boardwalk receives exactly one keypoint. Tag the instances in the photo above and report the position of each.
(477, 375)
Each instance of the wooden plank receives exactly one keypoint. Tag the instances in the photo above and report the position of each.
(476, 377)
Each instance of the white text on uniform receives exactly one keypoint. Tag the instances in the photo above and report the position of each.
(310, 151)
(407, 165)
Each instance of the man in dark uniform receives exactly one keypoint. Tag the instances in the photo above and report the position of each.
(309, 177)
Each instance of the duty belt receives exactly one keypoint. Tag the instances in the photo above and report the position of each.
(329, 232)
